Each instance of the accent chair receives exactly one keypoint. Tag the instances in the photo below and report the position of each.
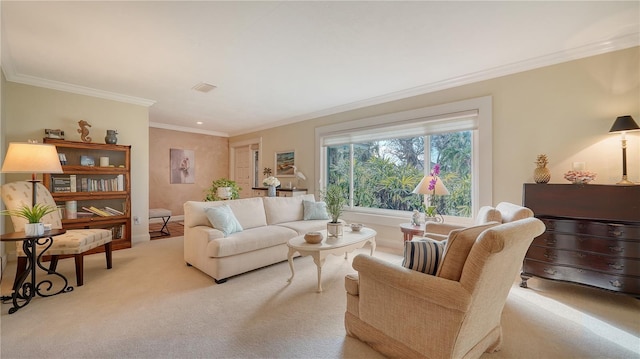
(404, 313)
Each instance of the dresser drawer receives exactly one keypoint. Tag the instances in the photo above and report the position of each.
(585, 260)
(618, 283)
(580, 242)
(600, 229)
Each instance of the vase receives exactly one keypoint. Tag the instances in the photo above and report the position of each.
(33, 229)
(271, 191)
(111, 138)
(541, 174)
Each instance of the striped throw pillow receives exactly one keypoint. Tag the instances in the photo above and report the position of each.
(423, 255)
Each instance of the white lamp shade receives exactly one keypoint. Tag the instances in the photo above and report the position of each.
(423, 187)
(31, 158)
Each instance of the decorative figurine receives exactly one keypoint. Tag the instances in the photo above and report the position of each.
(415, 219)
(84, 131)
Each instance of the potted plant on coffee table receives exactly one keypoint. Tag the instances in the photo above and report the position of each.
(33, 215)
(335, 199)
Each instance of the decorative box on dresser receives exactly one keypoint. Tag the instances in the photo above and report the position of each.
(89, 185)
(592, 235)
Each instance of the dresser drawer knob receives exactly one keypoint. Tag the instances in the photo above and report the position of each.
(550, 271)
(616, 231)
(615, 249)
(580, 255)
(616, 283)
(616, 266)
(550, 255)
(550, 241)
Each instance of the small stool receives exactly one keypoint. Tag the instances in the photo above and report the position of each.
(165, 214)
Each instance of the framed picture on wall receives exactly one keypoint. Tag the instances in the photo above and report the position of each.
(183, 164)
(285, 161)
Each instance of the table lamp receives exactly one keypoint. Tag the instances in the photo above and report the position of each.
(31, 157)
(423, 188)
(623, 124)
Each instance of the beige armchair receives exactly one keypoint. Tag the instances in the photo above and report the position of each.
(504, 212)
(454, 314)
(75, 242)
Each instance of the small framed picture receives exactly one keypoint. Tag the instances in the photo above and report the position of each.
(285, 161)
(87, 161)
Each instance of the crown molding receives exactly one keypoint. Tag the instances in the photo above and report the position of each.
(187, 129)
(615, 44)
(13, 76)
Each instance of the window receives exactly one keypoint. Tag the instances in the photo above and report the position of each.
(380, 160)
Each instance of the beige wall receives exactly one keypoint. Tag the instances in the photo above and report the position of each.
(564, 111)
(211, 163)
(29, 110)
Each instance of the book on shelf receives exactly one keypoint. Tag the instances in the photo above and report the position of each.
(73, 185)
(98, 211)
(102, 184)
(117, 232)
(113, 211)
(61, 184)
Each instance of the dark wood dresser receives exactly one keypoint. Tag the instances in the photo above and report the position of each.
(592, 235)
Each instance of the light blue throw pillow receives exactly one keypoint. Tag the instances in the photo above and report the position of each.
(314, 210)
(223, 219)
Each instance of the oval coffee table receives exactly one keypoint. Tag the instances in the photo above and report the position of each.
(347, 243)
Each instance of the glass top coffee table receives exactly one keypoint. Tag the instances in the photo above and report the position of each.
(347, 243)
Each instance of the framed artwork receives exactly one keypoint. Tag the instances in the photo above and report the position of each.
(86, 161)
(284, 163)
(183, 166)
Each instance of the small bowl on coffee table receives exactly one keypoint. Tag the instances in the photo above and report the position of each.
(313, 237)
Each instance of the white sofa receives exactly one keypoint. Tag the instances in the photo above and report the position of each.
(267, 225)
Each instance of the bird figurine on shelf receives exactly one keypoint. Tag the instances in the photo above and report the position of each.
(298, 175)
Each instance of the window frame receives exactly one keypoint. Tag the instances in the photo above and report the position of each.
(482, 156)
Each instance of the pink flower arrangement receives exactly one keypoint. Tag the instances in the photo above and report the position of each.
(430, 210)
(434, 178)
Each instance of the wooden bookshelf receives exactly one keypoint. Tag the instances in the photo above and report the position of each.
(94, 186)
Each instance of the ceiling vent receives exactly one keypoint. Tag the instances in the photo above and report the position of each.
(203, 87)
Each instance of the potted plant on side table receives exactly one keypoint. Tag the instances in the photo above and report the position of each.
(222, 189)
(335, 200)
(33, 215)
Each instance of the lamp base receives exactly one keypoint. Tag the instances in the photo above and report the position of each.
(625, 182)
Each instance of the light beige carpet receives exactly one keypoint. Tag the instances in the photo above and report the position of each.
(151, 305)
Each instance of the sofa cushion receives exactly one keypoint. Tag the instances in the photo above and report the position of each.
(457, 250)
(249, 240)
(423, 255)
(302, 227)
(314, 210)
(285, 209)
(248, 211)
(223, 219)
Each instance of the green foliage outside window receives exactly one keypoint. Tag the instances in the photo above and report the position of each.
(386, 172)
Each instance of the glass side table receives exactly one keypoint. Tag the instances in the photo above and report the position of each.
(25, 286)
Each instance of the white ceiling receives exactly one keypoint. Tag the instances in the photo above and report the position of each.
(281, 62)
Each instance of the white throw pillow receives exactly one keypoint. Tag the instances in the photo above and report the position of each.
(223, 219)
(423, 255)
(314, 210)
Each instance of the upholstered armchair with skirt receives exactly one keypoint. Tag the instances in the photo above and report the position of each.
(404, 313)
(75, 242)
(504, 212)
